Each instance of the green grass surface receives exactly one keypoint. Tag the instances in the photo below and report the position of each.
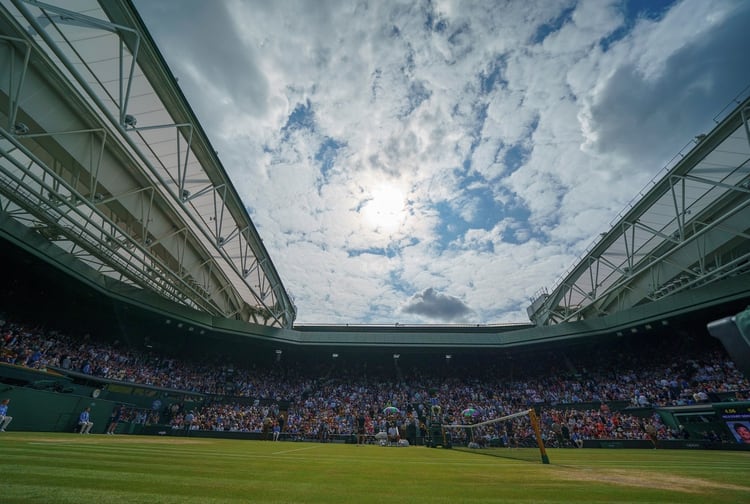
(68, 468)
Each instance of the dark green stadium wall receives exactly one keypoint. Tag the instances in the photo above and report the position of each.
(48, 411)
(49, 402)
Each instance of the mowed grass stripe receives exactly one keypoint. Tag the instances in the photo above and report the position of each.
(62, 468)
(260, 450)
(245, 450)
(42, 494)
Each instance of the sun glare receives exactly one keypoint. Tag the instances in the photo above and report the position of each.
(384, 210)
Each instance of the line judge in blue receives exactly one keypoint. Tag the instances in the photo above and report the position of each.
(84, 422)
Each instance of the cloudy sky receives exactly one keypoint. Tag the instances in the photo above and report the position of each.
(442, 161)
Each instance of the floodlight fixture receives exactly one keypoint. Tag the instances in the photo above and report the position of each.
(20, 129)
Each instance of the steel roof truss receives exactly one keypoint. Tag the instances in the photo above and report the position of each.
(183, 155)
(219, 198)
(66, 16)
(15, 81)
(52, 203)
(679, 206)
(730, 187)
(95, 157)
(70, 57)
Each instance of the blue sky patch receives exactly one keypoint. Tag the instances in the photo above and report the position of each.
(519, 231)
(633, 10)
(451, 225)
(516, 157)
(493, 76)
(302, 117)
(381, 251)
(433, 22)
(327, 153)
(480, 114)
(546, 29)
(485, 212)
(477, 192)
(418, 93)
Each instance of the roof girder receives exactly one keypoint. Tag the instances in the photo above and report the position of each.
(83, 182)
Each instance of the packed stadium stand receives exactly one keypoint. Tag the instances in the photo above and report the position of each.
(125, 292)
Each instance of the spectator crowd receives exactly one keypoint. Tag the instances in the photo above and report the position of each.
(573, 391)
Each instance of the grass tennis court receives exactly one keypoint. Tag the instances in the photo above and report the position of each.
(68, 468)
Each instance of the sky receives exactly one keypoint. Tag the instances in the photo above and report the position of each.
(442, 162)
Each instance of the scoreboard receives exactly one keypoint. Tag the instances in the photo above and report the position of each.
(737, 419)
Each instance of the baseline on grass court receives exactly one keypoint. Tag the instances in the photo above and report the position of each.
(514, 436)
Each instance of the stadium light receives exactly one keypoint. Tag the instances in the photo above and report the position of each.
(278, 355)
(335, 355)
(396, 356)
(20, 129)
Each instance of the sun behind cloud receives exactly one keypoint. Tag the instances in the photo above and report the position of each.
(385, 210)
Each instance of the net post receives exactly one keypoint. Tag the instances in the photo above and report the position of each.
(447, 440)
(538, 434)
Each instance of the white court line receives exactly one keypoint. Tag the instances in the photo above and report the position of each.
(295, 450)
(55, 443)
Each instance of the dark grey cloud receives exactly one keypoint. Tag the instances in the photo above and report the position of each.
(636, 115)
(207, 39)
(434, 305)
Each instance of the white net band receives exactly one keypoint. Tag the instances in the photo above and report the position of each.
(488, 422)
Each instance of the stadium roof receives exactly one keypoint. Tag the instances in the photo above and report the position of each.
(102, 155)
(689, 228)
